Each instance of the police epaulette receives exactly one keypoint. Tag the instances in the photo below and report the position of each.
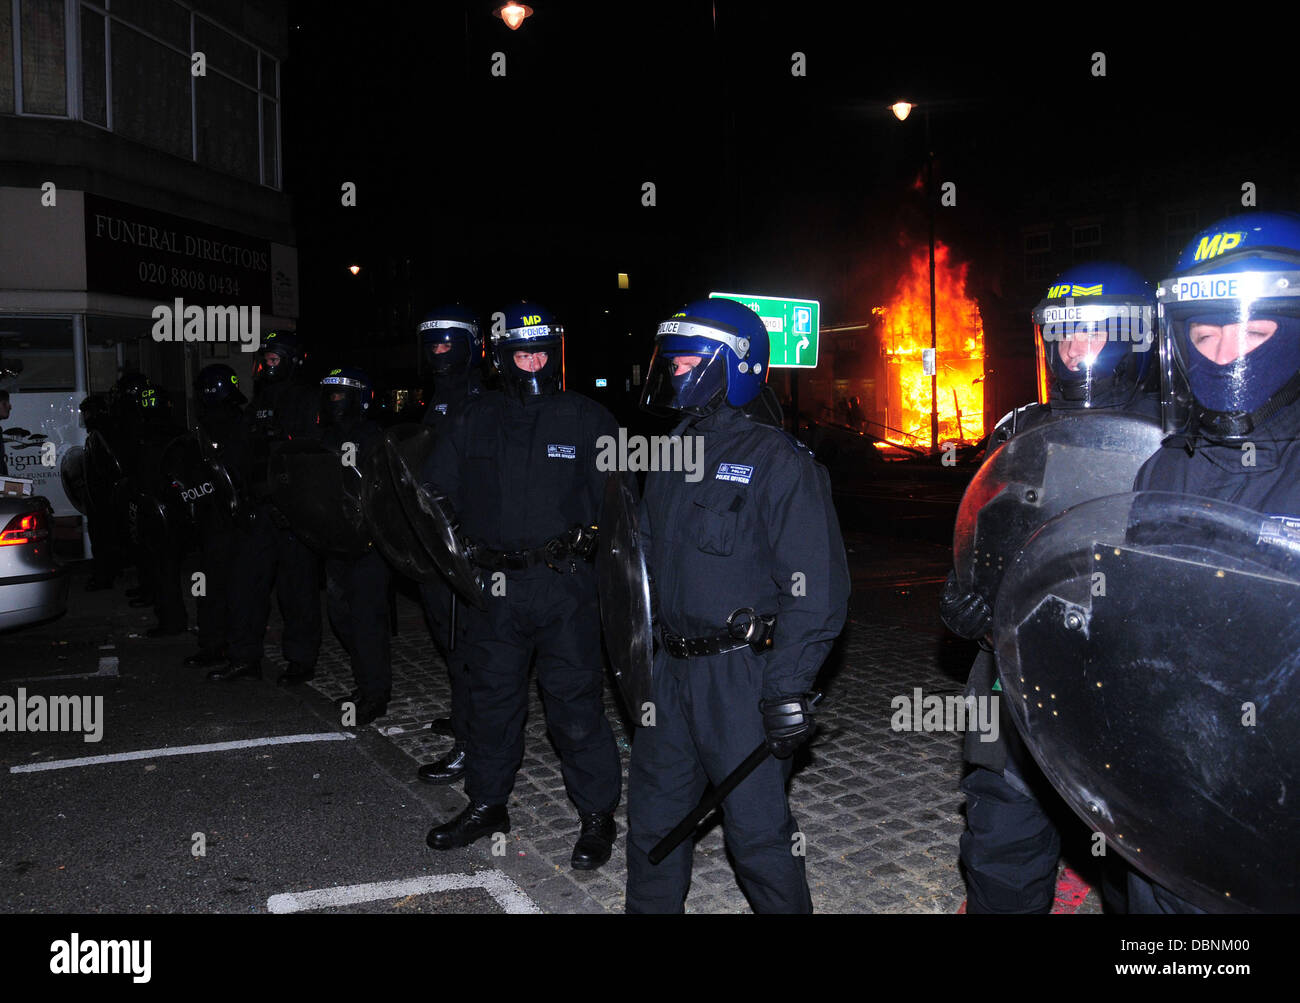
(798, 444)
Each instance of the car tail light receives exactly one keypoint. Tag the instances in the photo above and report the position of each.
(29, 527)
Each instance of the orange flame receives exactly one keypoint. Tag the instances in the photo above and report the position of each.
(905, 330)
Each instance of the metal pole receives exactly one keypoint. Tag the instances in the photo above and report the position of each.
(934, 341)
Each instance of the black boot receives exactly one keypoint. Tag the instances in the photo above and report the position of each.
(442, 726)
(236, 670)
(369, 708)
(446, 770)
(475, 822)
(296, 673)
(596, 841)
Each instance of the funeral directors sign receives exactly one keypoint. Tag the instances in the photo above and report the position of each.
(132, 251)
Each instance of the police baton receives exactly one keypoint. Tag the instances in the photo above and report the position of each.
(715, 797)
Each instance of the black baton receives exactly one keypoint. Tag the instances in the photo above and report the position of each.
(714, 798)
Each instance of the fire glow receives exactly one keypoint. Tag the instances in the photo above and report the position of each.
(905, 330)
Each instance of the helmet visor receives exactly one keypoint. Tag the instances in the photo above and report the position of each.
(1229, 341)
(688, 378)
(1094, 355)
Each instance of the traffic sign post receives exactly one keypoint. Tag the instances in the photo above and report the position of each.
(792, 326)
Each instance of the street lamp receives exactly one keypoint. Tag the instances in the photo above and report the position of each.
(513, 14)
(901, 110)
(354, 269)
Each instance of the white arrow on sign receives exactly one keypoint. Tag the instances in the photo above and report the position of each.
(803, 343)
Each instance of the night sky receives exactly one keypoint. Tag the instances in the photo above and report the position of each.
(529, 186)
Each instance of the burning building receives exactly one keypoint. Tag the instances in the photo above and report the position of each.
(903, 326)
(872, 378)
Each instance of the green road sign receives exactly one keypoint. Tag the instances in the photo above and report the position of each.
(792, 327)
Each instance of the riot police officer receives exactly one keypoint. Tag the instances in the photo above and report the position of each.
(1095, 339)
(160, 540)
(451, 349)
(752, 589)
(266, 550)
(356, 589)
(220, 405)
(1230, 335)
(519, 467)
(96, 417)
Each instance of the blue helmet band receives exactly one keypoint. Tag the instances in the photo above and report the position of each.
(686, 328)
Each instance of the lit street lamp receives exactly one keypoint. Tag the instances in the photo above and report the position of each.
(901, 110)
(513, 14)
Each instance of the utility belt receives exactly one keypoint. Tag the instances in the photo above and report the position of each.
(577, 544)
(744, 628)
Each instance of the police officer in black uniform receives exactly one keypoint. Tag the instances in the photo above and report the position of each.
(356, 589)
(451, 348)
(1104, 362)
(159, 547)
(752, 589)
(519, 468)
(97, 416)
(220, 405)
(266, 550)
(1230, 334)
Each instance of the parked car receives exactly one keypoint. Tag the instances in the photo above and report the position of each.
(33, 585)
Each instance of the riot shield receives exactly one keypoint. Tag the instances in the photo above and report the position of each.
(625, 593)
(320, 495)
(225, 495)
(393, 535)
(429, 521)
(72, 474)
(103, 473)
(1038, 474)
(1149, 647)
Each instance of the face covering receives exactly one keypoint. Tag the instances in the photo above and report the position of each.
(1247, 383)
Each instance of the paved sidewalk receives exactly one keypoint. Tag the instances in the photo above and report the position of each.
(881, 810)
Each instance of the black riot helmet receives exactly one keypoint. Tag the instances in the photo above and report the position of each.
(450, 341)
(279, 357)
(217, 384)
(345, 395)
(532, 329)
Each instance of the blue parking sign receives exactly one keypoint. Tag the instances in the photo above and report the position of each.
(802, 320)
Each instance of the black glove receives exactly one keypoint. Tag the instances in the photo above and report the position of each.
(966, 614)
(787, 723)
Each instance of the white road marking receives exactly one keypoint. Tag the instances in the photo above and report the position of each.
(182, 750)
(107, 669)
(508, 895)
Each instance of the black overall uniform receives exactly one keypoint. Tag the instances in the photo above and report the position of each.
(759, 530)
(158, 557)
(356, 590)
(223, 425)
(266, 551)
(520, 474)
(1271, 487)
(450, 398)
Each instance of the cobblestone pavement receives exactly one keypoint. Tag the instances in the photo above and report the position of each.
(880, 809)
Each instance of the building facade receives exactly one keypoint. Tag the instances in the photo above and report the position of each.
(140, 165)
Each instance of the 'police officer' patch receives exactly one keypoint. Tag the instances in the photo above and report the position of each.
(562, 452)
(1282, 530)
(737, 472)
